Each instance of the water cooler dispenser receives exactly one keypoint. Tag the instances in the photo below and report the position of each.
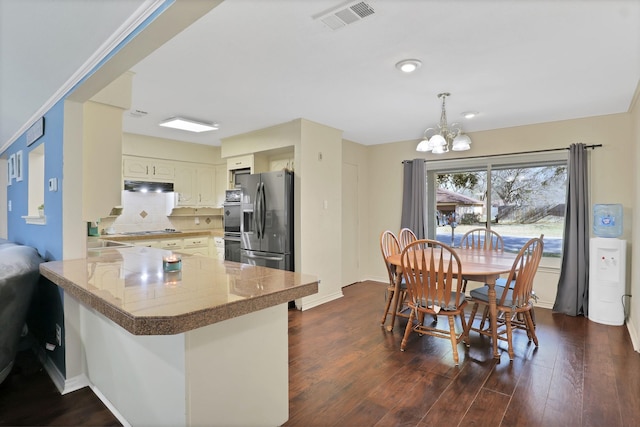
(607, 266)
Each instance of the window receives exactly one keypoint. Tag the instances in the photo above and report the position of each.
(520, 197)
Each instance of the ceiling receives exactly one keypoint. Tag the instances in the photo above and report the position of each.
(250, 64)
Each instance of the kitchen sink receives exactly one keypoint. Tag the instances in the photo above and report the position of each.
(105, 244)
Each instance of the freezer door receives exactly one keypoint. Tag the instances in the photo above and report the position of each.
(249, 231)
(266, 259)
(277, 217)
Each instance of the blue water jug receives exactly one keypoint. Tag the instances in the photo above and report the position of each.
(607, 220)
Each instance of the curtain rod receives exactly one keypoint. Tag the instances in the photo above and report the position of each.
(593, 147)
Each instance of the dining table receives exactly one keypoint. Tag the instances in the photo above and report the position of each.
(478, 265)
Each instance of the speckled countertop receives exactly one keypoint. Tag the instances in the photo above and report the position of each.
(158, 236)
(129, 286)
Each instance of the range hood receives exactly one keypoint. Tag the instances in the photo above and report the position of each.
(148, 186)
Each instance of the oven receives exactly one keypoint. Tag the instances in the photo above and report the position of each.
(231, 224)
(232, 247)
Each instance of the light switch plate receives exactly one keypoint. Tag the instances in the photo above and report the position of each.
(53, 184)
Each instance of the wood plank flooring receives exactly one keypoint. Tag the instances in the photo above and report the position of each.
(345, 370)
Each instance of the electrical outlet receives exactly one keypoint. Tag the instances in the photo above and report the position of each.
(59, 335)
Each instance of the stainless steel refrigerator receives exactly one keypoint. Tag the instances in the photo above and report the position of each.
(266, 228)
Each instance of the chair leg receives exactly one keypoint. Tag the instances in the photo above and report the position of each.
(507, 321)
(454, 341)
(465, 331)
(485, 315)
(407, 331)
(531, 326)
(386, 309)
(474, 309)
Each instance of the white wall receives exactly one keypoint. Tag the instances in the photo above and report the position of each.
(320, 181)
(634, 317)
(149, 146)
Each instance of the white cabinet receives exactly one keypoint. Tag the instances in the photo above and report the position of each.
(196, 186)
(206, 186)
(240, 162)
(218, 243)
(171, 244)
(185, 185)
(145, 168)
(196, 245)
(188, 245)
(147, 243)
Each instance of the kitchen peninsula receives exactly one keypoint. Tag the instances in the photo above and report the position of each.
(206, 345)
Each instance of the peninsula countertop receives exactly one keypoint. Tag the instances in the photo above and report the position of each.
(129, 286)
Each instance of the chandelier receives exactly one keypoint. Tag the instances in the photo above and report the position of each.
(445, 137)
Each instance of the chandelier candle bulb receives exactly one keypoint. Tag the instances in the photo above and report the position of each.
(172, 262)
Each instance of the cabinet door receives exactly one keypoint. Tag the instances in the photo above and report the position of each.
(162, 170)
(135, 168)
(185, 185)
(206, 187)
(172, 244)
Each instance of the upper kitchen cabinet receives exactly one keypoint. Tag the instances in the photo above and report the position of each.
(196, 186)
(146, 168)
(248, 163)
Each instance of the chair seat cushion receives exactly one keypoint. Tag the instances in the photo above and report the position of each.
(503, 282)
(482, 294)
(450, 306)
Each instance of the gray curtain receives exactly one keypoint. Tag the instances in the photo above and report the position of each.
(572, 297)
(414, 197)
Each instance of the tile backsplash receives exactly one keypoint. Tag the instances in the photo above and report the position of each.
(152, 211)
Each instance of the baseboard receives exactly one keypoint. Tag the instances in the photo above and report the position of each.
(633, 334)
(310, 302)
(68, 385)
(64, 385)
(109, 406)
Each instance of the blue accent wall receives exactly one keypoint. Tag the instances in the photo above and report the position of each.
(47, 238)
(47, 308)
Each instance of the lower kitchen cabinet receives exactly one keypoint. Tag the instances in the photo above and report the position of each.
(189, 245)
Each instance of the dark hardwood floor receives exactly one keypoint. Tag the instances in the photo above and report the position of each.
(28, 397)
(345, 370)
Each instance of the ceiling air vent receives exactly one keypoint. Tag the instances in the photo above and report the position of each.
(345, 14)
(137, 113)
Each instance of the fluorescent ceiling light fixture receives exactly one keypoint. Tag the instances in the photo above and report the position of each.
(408, 65)
(189, 125)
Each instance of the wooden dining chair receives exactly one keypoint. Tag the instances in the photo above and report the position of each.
(433, 273)
(480, 238)
(514, 302)
(396, 287)
(405, 237)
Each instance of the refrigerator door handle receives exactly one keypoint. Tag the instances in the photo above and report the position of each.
(256, 209)
(263, 206)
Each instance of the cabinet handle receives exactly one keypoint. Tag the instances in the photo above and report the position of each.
(147, 170)
(154, 170)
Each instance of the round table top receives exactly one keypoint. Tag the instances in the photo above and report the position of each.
(476, 262)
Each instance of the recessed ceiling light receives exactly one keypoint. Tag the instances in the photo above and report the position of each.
(408, 65)
(469, 114)
(189, 125)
